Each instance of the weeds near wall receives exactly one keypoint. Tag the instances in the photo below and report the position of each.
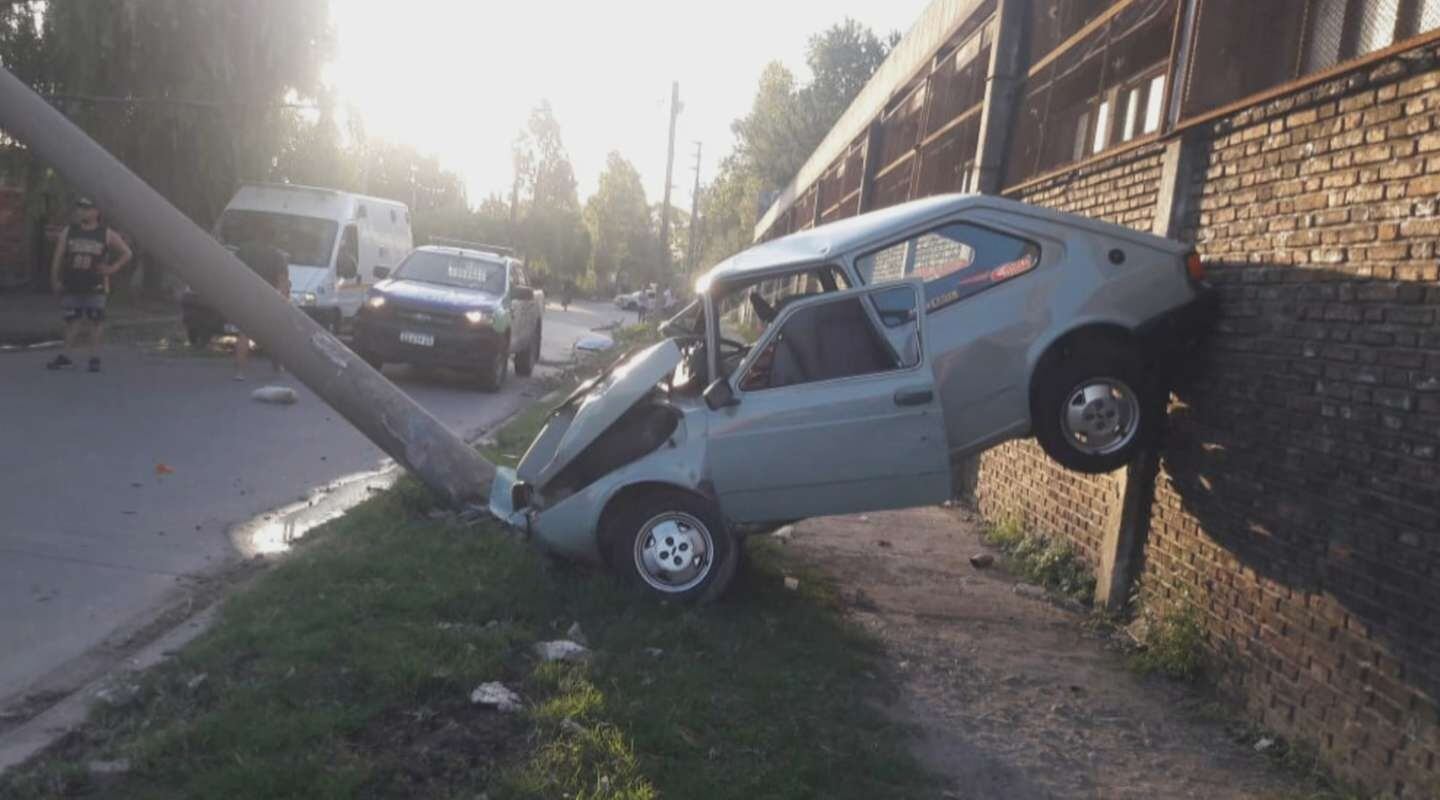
(1173, 643)
(1049, 562)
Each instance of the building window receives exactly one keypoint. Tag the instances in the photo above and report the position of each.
(1102, 127)
(1339, 30)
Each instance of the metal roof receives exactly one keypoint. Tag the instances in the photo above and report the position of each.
(839, 237)
(844, 237)
(466, 252)
(912, 54)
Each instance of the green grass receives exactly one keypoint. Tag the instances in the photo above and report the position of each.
(1048, 562)
(345, 671)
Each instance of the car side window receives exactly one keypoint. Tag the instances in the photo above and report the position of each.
(839, 339)
(956, 261)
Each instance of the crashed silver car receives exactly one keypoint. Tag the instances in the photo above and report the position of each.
(845, 368)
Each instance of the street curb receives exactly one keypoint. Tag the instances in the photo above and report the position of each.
(24, 742)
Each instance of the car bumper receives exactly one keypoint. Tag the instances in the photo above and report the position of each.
(454, 346)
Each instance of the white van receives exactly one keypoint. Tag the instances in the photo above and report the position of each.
(335, 241)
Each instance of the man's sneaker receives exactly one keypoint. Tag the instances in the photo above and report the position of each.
(61, 361)
(94, 363)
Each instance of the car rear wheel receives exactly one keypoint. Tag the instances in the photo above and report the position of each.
(495, 368)
(672, 545)
(1093, 408)
(525, 362)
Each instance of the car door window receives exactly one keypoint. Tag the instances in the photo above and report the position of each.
(839, 338)
(956, 261)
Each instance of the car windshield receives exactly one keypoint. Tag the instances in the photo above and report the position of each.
(308, 241)
(745, 309)
(453, 270)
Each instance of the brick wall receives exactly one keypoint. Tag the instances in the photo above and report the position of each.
(1298, 503)
(1017, 480)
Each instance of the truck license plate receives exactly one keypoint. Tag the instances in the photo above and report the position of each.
(421, 339)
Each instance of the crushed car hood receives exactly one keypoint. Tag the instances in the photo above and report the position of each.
(593, 408)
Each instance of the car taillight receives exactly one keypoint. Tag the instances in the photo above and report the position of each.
(1194, 267)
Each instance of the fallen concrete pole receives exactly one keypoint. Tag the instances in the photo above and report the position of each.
(363, 396)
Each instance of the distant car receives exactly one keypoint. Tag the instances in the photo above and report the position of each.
(453, 307)
(845, 368)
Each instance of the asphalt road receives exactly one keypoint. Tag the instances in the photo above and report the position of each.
(93, 537)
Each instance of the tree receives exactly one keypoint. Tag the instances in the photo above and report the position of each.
(622, 236)
(552, 234)
(208, 79)
(785, 124)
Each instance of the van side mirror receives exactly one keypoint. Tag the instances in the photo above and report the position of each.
(522, 293)
(380, 273)
(719, 395)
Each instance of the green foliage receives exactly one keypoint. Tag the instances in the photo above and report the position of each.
(625, 250)
(786, 122)
(1174, 644)
(552, 232)
(1048, 562)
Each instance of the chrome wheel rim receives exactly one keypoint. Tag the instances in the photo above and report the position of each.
(1100, 416)
(674, 552)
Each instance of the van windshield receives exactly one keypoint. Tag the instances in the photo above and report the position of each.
(453, 270)
(308, 241)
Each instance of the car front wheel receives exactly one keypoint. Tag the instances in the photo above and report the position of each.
(525, 361)
(495, 368)
(672, 545)
(1093, 408)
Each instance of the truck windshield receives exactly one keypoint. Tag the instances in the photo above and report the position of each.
(308, 241)
(453, 270)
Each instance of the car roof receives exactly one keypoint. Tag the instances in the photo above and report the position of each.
(465, 252)
(836, 239)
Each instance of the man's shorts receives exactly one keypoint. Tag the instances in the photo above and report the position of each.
(89, 306)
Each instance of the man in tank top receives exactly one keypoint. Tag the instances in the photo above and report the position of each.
(86, 255)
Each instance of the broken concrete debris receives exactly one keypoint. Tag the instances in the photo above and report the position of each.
(561, 650)
(498, 696)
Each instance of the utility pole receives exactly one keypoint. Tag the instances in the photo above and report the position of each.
(694, 251)
(669, 176)
(386, 415)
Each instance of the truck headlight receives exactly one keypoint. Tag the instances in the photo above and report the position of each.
(304, 298)
(378, 301)
(476, 317)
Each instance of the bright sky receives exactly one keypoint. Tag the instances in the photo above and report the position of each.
(457, 78)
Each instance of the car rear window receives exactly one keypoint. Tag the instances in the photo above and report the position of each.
(955, 261)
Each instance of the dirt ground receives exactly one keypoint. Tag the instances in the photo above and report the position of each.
(1014, 697)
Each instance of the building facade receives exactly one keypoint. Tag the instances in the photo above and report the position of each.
(1295, 502)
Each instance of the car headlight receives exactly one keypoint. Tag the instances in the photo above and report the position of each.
(476, 317)
(378, 301)
(304, 298)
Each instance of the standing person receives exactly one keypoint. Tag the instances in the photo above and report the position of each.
(86, 255)
(273, 265)
(566, 291)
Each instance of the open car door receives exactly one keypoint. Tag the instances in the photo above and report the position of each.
(835, 412)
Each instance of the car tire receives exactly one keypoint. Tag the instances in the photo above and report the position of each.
(1093, 408)
(525, 362)
(198, 336)
(373, 360)
(495, 368)
(669, 528)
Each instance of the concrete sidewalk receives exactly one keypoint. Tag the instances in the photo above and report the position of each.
(28, 318)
